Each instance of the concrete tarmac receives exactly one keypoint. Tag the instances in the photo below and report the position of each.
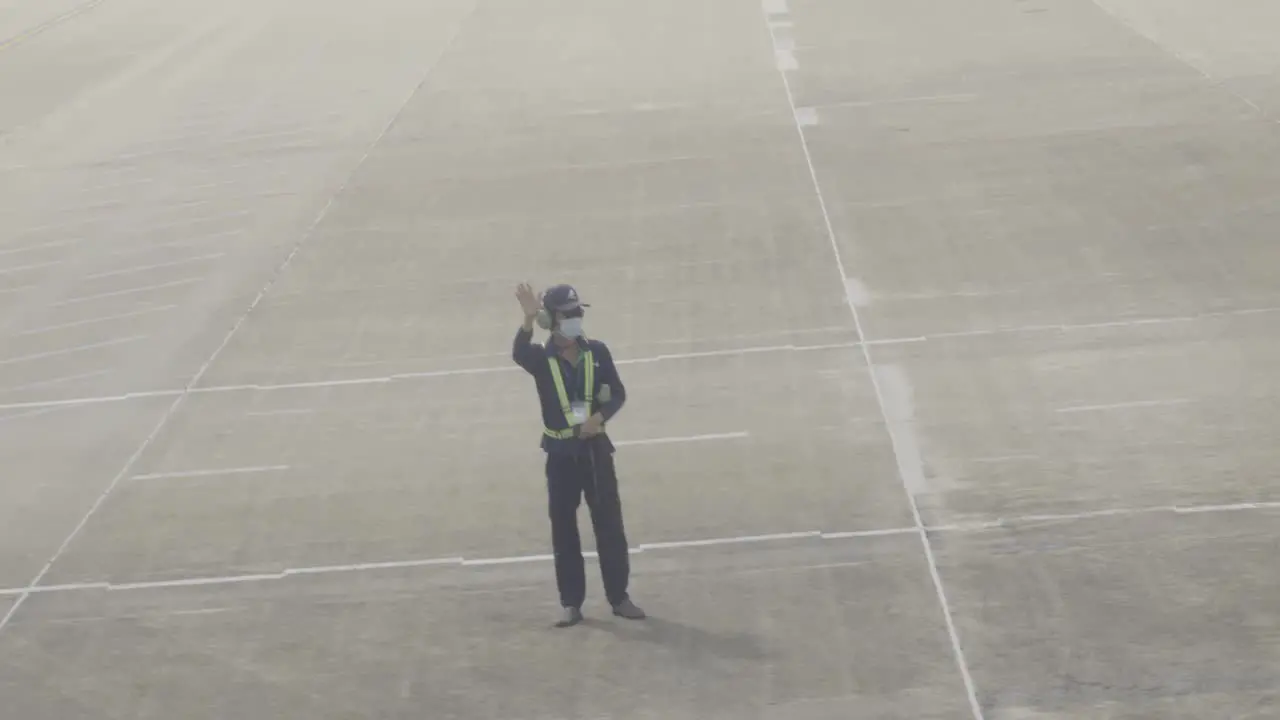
(949, 332)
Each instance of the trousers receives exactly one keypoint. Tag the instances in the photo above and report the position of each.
(569, 479)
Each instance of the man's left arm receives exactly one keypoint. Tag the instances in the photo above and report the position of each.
(608, 374)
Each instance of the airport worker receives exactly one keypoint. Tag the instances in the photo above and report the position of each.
(579, 390)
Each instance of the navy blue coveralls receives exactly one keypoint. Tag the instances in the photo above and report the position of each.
(578, 467)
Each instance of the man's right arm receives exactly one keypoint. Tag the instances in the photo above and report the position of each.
(524, 351)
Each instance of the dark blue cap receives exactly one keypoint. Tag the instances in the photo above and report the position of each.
(561, 298)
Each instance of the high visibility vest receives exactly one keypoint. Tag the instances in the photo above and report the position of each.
(589, 379)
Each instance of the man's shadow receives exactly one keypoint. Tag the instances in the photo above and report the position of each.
(687, 640)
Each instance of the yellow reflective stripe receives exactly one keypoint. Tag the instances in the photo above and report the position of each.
(558, 378)
(589, 380)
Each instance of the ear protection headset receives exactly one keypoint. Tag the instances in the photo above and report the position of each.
(546, 316)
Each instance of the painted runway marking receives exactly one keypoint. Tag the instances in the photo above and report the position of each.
(49, 24)
(26, 415)
(735, 540)
(195, 379)
(129, 291)
(275, 413)
(24, 268)
(41, 246)
(1124, 405)
(96, 320)
(818, 535)
(71, 350)
(184, 242)
(903, 443)
(775, 7)
(961, 97)
(683, 439)
(212, 472)
(786, 62)
(55, 381)
(156, 266)
(666, 357)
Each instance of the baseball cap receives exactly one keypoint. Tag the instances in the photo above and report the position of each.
(562, 298)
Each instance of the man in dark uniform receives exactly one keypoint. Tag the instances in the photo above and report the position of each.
(579, 390)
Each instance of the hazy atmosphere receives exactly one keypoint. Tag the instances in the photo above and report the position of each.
(949, 332)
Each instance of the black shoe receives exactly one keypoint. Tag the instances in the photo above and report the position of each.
(629, 610)
(569, 617)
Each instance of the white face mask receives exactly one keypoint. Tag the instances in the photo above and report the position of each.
(570, 327)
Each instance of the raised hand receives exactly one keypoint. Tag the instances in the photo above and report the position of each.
(529, 302)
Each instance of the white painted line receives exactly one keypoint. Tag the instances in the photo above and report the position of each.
(730, 352)
(212, 472)
(736, 540)
(184, 242)
(683, 439)
(868, 533)
(196, 582)
(897, 442)
(96, 320)
(1236, 507)
(226, 340)
(27, 414)
(1124, 405)
(1182, 58)
(1134, 322)
(516, 559)
(68, 587)
(42, 246)
(129, 291)
(24, 268)
(828, 346)
(201, 611)
(273, 413)
(997, 524)
(959, 97)
(55, 381)
(363, 567)
(144, 268)
(807, 116)
(856, 292)
(71, 350)
(18, 289)
(69, 402)
(775, 7)
(1004, 458)
(786, 61)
